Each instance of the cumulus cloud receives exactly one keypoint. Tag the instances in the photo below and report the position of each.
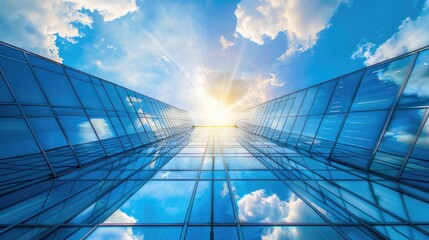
(259, 207)
(38, 25)
(109, 10)
(301, 20)
(225, 43)
(120, 217)
(411, 35)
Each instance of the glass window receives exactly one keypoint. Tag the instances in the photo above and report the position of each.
(270, 202)
(86, 94)
(78, 129)
(380, 85)
(76, 74)
(48, 132)
(308, 101)
(5, 95)
(114, 97)
(150, 205)
(104, 98)
(312, 125)
(201, 210)
(330, 126)
(344, 92)
(297, 103)
(45, 63)
(322, 98)
(12, 53)
(221, 233)
(200, 233)
(222, 207)
(57, 88)
(102, 127)
(135, 232)
(22, 81)
(291, 232)
(416, 92)
(362, 129)
(14, 134)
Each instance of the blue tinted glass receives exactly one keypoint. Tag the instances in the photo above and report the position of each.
(114, 97)
(380, 85)
(344, 92)
(22, 81)
(184, 163)
(103, 97)
(5, 95)
(103, 127)
(362, 129)
(311, 126)
(76, 74)
(222, 207)
(291, 232)
(322, 98)
(12, 53)
(86, 94)
(220, 233)
(416, 92)
(308, 101)
(45, 63)
(236, 163)
(78, 129)
(48, 132)
(330, 126)
(135, 232)
(421, 148)
(57, 88)
(200, 233)
(297, 103)
(150, 205)
(125, 99)
(270, 202)
(14, 133)
(402, 131)
(201, 209)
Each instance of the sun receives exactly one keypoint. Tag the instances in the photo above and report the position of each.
(215, 113)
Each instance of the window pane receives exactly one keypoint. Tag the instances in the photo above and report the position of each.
(135, 232)
(322, 98)
(14, 134)
(363, 129)
(78, 129)
(48, 132)
(86, 94)
(381, 84)
(22, 81)
(150, 205)
(416, 92)
(57, 88)
(5, 95)
(344, 92)
(102, 127)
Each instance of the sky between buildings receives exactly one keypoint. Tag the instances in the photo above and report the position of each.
(215, 58)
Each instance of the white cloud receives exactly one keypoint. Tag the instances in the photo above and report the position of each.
(300, 20)
(411, 35)
(36, 25)
(109, 9)
(120, 217)
(279, 233)
(102, 128)
(225, 43)
(258, 207)
(114, 233)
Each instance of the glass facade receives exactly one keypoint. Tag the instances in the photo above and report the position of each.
(83, 158)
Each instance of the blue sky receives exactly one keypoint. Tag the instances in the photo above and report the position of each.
(215, 58)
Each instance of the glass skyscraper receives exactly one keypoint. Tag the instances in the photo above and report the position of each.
(83, 158)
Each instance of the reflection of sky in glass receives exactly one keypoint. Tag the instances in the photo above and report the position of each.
(402, 131)
(156, 202)
(270, 202)
(116, 233)
(380, 85)
(416, 92)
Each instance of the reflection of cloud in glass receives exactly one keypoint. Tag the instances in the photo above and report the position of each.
(102, 128)
(278, 233)
(115, 233)
(257, 206)
(120, 217)
(418, 84)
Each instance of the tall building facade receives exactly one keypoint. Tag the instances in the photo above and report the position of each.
(83, 158)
